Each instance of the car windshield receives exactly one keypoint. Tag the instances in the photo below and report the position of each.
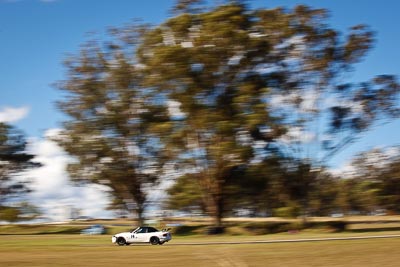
(135, 229)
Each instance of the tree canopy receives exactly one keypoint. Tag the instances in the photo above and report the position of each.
(253, 81)
(218, 92)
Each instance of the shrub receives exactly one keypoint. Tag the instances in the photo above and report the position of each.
(261, 228)
(287, 212)
(9, 214)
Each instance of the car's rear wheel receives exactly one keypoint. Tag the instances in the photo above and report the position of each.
(121, 241)
(154, 240)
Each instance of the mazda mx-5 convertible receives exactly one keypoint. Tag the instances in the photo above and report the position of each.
(142, 235)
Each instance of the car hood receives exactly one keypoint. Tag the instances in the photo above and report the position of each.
(123, 234)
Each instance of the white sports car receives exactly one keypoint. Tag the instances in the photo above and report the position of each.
(142, 235)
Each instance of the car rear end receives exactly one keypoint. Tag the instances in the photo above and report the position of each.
(165, 237)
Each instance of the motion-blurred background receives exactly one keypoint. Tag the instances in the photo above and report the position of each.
(221, 109)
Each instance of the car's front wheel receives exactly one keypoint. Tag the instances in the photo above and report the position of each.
(154, 240)
(121, 241)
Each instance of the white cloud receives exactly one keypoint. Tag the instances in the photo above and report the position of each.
(308, 101)
(296, 134)
(53, 191)
(393, 152)
(344, 171)
(174, 109)
(378, 158)
(10, 114)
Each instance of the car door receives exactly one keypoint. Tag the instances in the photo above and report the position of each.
(132, 238)
(141, 235)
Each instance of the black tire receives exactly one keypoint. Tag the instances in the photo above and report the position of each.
(154, 240)
(121, 241)
(161, 243)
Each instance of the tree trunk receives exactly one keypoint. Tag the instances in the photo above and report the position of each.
(218, 211)
(139, 212)
(215, 210)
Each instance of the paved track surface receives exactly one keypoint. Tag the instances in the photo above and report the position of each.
(282, 241)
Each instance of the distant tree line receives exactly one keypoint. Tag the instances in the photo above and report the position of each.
(277, 188)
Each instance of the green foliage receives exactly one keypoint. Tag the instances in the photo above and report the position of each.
(185, 195)
(376, 183)
(389, 189)
(9, 214)
(261, 228)
(116, 123)
(287, 212)
(21, 211)
(13, 160)
(228, 95)
(187, 230)
(225, 64)
(332, 225)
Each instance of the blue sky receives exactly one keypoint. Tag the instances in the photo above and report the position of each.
(36, 36)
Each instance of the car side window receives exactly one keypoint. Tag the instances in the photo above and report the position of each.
(152, 230)
(142, 231)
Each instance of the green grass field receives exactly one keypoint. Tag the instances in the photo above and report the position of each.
(77, 250)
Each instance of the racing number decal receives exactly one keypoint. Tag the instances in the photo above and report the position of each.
(132, 236)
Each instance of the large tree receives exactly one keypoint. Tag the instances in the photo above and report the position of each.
(220, 89)
(115, 124)
(199, 61)
(247, 80)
